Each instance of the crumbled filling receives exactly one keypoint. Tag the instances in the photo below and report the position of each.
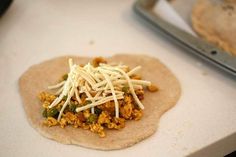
(102, 119)
(96, 118)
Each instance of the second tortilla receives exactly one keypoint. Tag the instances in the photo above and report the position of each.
(215, 20)
(38, 77)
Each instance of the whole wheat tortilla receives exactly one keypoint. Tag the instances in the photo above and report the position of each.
(38, 77)
(184, 9)
(215, 20)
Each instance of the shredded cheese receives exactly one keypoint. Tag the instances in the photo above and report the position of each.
(105, 80)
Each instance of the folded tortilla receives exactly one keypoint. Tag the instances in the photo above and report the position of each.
(38, 77)
(215, 20)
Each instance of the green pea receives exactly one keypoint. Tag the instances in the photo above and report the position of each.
(97, 111)
(64, 98)
(72, 107)
(65, 76)
(92, 118)
(44, 113)
(125, 89)
(52, 112)
(87, 102)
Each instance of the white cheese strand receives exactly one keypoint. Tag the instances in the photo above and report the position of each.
(117, 92)
(86, 78)
(77, 96)
(137, 86)
(89, 96)
(133, 81)
(113, 94)
(87, 86)
(66, 103)
(56, 101)
(134, 70)
(91, 70)
(108, 70)
(70, 63)
(102, 101)
(59, 90)
(86, 75)
(97, 95)
(95, 99)
(57, 85)
(101, 83)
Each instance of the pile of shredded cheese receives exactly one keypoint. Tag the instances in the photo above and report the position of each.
(106, 81)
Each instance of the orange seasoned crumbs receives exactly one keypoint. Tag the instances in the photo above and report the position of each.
(105, 119)
(50, 121)
(96, 61)
(152, 88)
(136, 77)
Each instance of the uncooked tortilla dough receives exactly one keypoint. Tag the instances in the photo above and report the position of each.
(184, 9)
(38, 77)
(215, 20)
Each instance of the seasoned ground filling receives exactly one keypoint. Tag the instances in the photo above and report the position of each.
(103, 117)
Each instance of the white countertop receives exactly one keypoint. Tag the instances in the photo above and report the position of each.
(33, 31)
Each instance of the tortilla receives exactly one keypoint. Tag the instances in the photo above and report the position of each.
(184, 9)
(215, 20)
(38, 77)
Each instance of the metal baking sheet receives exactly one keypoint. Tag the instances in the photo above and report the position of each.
(193, 44)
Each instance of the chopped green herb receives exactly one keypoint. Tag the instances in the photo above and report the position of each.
(44, 113)
(97, 111)
(92, 118)
(64, 77)
(72, 107)
(125, 89)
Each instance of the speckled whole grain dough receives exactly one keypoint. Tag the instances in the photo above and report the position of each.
(38, 77)
(215, 20)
